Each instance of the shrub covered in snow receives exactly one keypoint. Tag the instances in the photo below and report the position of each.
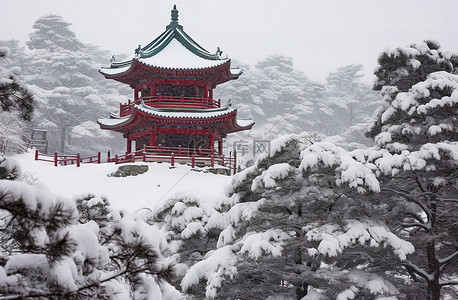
(55, 248)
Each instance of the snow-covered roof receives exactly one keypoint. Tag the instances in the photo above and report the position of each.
(173, 49)
(185, 113)
(176, 56)
(171, 113)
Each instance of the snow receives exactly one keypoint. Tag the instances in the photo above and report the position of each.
(374, 283)
(112, 121)
(191, 114)
(131, 194)
(269, 178)
(176, 56)
(264, 243)
(244, 122)
(194, 114)
(333, 240)
(114, 71)
(349, 171)
(192, 229)
(214, 268)
(348, 294)
(173, 56)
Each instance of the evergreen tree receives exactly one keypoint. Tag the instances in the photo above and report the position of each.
(54, 249)
(17, 105)
(70, 92)
(13, 95)
(351, 99)
(282, 100)
(416, 156)
(295, 225)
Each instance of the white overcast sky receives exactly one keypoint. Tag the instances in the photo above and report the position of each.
(320, 35)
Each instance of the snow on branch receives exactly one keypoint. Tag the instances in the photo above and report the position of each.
(269, 178)
(347, 169)
(269, 242)
(219, 264)
(425, 158)
(333, 240)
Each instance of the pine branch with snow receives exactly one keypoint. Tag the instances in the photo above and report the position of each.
(53, 248)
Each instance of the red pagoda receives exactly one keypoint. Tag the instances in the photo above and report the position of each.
(173, 79)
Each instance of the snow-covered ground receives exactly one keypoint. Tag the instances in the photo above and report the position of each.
(148, 190)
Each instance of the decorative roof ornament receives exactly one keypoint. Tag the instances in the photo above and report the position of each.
(173, 49)
(175, 14)
(138, 51)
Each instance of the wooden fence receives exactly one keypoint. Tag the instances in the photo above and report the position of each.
(65, 160)
(195, 157)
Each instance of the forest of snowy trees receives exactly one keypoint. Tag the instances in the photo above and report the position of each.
(356, 200)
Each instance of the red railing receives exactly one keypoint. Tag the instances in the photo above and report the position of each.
(194, 157)
(170, 101)
(65, 160)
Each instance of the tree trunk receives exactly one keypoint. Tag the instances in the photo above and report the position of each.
(302, 287)
(434, 288)
(301, 291)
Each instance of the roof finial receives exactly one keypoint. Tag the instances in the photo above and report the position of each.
(174, 13)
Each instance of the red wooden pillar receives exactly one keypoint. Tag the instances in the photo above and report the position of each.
(36, 154)
(129, 145)
(173, 160)
(78, 160)
(55, 159)
(135, 94)
(220, 147)
(206, 91)
(152, 139)
(211, 93)
(212, 141)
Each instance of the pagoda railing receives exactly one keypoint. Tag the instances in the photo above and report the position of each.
(194, 157)
(170, 101)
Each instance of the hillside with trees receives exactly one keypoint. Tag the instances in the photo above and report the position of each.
(327, 214)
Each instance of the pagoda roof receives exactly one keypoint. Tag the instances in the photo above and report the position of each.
(176, 115)
(173, 49)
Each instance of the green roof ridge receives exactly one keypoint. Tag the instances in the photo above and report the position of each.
(175, 30)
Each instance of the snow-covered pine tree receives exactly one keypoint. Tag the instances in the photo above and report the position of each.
(294, 226)
(71, 94)
(417, 154)
(17, 106)
(14, 96)
(353, 103)
(52, 248)
(352, 100)
(280, 98)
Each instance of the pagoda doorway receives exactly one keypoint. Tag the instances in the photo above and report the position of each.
(190, 141)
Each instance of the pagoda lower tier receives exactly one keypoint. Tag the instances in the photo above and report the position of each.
(193, 128)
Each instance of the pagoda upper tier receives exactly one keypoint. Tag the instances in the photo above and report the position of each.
(173, 55)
